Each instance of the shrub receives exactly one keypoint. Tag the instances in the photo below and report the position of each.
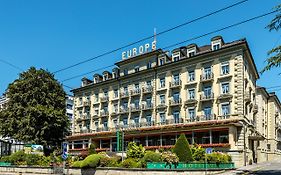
(198, 153)
(217, 157)
(104, 161)
(91, 161)
(32, 159)
(182, 149)
(77, 164)
(135, 151)
(169, 157)
(92, 149)
(151, 156)
(131, 163)
(17, 158)
(114, 162)
(44, 161)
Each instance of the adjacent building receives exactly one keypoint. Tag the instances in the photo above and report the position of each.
(69, 111)
(207, 92)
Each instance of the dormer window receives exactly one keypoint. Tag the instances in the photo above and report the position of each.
(216, 43)
(176, 56)
(161, 61)
(125, 71)
(137, 69)
(105, 77)
(216, 46)
(148, 66)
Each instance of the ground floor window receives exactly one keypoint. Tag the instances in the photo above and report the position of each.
(220, 136)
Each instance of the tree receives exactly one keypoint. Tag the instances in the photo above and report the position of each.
(92, 149)
(36, 110)
(275, 54)
(182, 149)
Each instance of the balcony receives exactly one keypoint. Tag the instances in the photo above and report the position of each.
(104, 99)
(86, 117)
(104, 113)
(96, 114)
(202, 118)
(255, 108)
(135, 92)
(191, 101)
(100, 129)
(114, 112)
(225, 96)
(207, 77)
(87, 103)
(124, 94)
(175, 84)
(161, 105)
(175, 102)
(135, 108)
(247, 96)
(147, 106)
(147, 89)
(174, 121)
(123, 110)
(206, 97)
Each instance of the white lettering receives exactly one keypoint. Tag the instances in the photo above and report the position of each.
(129, 53)
(141, 49)
(123, 55)
(146, 46)
(153, 47)
(134, 51)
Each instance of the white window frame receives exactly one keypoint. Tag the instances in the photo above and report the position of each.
(214, 43)
(161, 61)
(176, 55)
(189, 76)
(161, 83)
(188, 94)
(229, 108)
(191, 50)
(225, 64)
(221, 88)
(160, 101)
(191, 108)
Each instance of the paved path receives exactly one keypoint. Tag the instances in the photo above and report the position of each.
(265, 168)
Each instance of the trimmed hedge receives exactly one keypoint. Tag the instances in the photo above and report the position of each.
(182, 149)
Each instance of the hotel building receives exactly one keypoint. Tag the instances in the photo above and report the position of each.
(207, 92)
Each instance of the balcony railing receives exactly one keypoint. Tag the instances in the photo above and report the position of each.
(87, 103)
(135, 92)
(135, 108)
(104, 113)
(124, 94)
(162, 105)
(174, 121)
(147, 106)
(175, 102)
(123, 110)
(175, 84)
(147, 89)
(207, 77)
(86, 116)
(225, 96)
(190, 101)
(206, 97)
(104, 99)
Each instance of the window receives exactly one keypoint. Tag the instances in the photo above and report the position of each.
(208, 113)
(115, 123)
(225, 109)
(137, 69)
(176, 58)
(137, 87)
(216, 46)
(162, 118)
(137, 120)
(176, 116)
(96, 124)
(96, 97)
(148, 83)
(69, 106)
(161, 61)
(224, 68)
(125, 71)
(207, 72)
(148, 102)
(191, 54)
(105, 124)
(176, 97)
(176, 78)
(148, 120)
(191, 114)
(105, 108)
(105, 77)
(126, 90)
(225, 88)
(208, 92)
(115, 108)
(80, 101)
(191, 94)
(148, 66)
(125, 121)
(191, 76)
(162, 99)
(125, 105)
(137, 104)
(162, 82)
(116, 93)
(105, 93)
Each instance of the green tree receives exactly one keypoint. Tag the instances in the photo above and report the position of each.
(36, 110)
(92, 149)
(182, 149)
(274, 54)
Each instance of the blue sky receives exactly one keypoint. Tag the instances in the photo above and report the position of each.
(54, 34)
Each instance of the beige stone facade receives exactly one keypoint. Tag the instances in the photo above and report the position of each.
(208, 93)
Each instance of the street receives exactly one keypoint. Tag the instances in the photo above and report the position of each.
(265, 168)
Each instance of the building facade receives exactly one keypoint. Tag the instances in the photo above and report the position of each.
(69, 111)
(3, 101)
(207, 92)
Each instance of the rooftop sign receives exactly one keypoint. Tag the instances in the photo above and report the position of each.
(139, 50)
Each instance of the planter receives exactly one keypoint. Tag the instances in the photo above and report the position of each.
(5, 164)
(193, 166)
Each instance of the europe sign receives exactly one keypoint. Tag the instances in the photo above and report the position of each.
(140, 50)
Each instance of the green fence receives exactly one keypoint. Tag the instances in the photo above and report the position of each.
(5, 164)
(194, 166)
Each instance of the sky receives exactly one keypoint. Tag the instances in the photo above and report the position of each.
(55, 34)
